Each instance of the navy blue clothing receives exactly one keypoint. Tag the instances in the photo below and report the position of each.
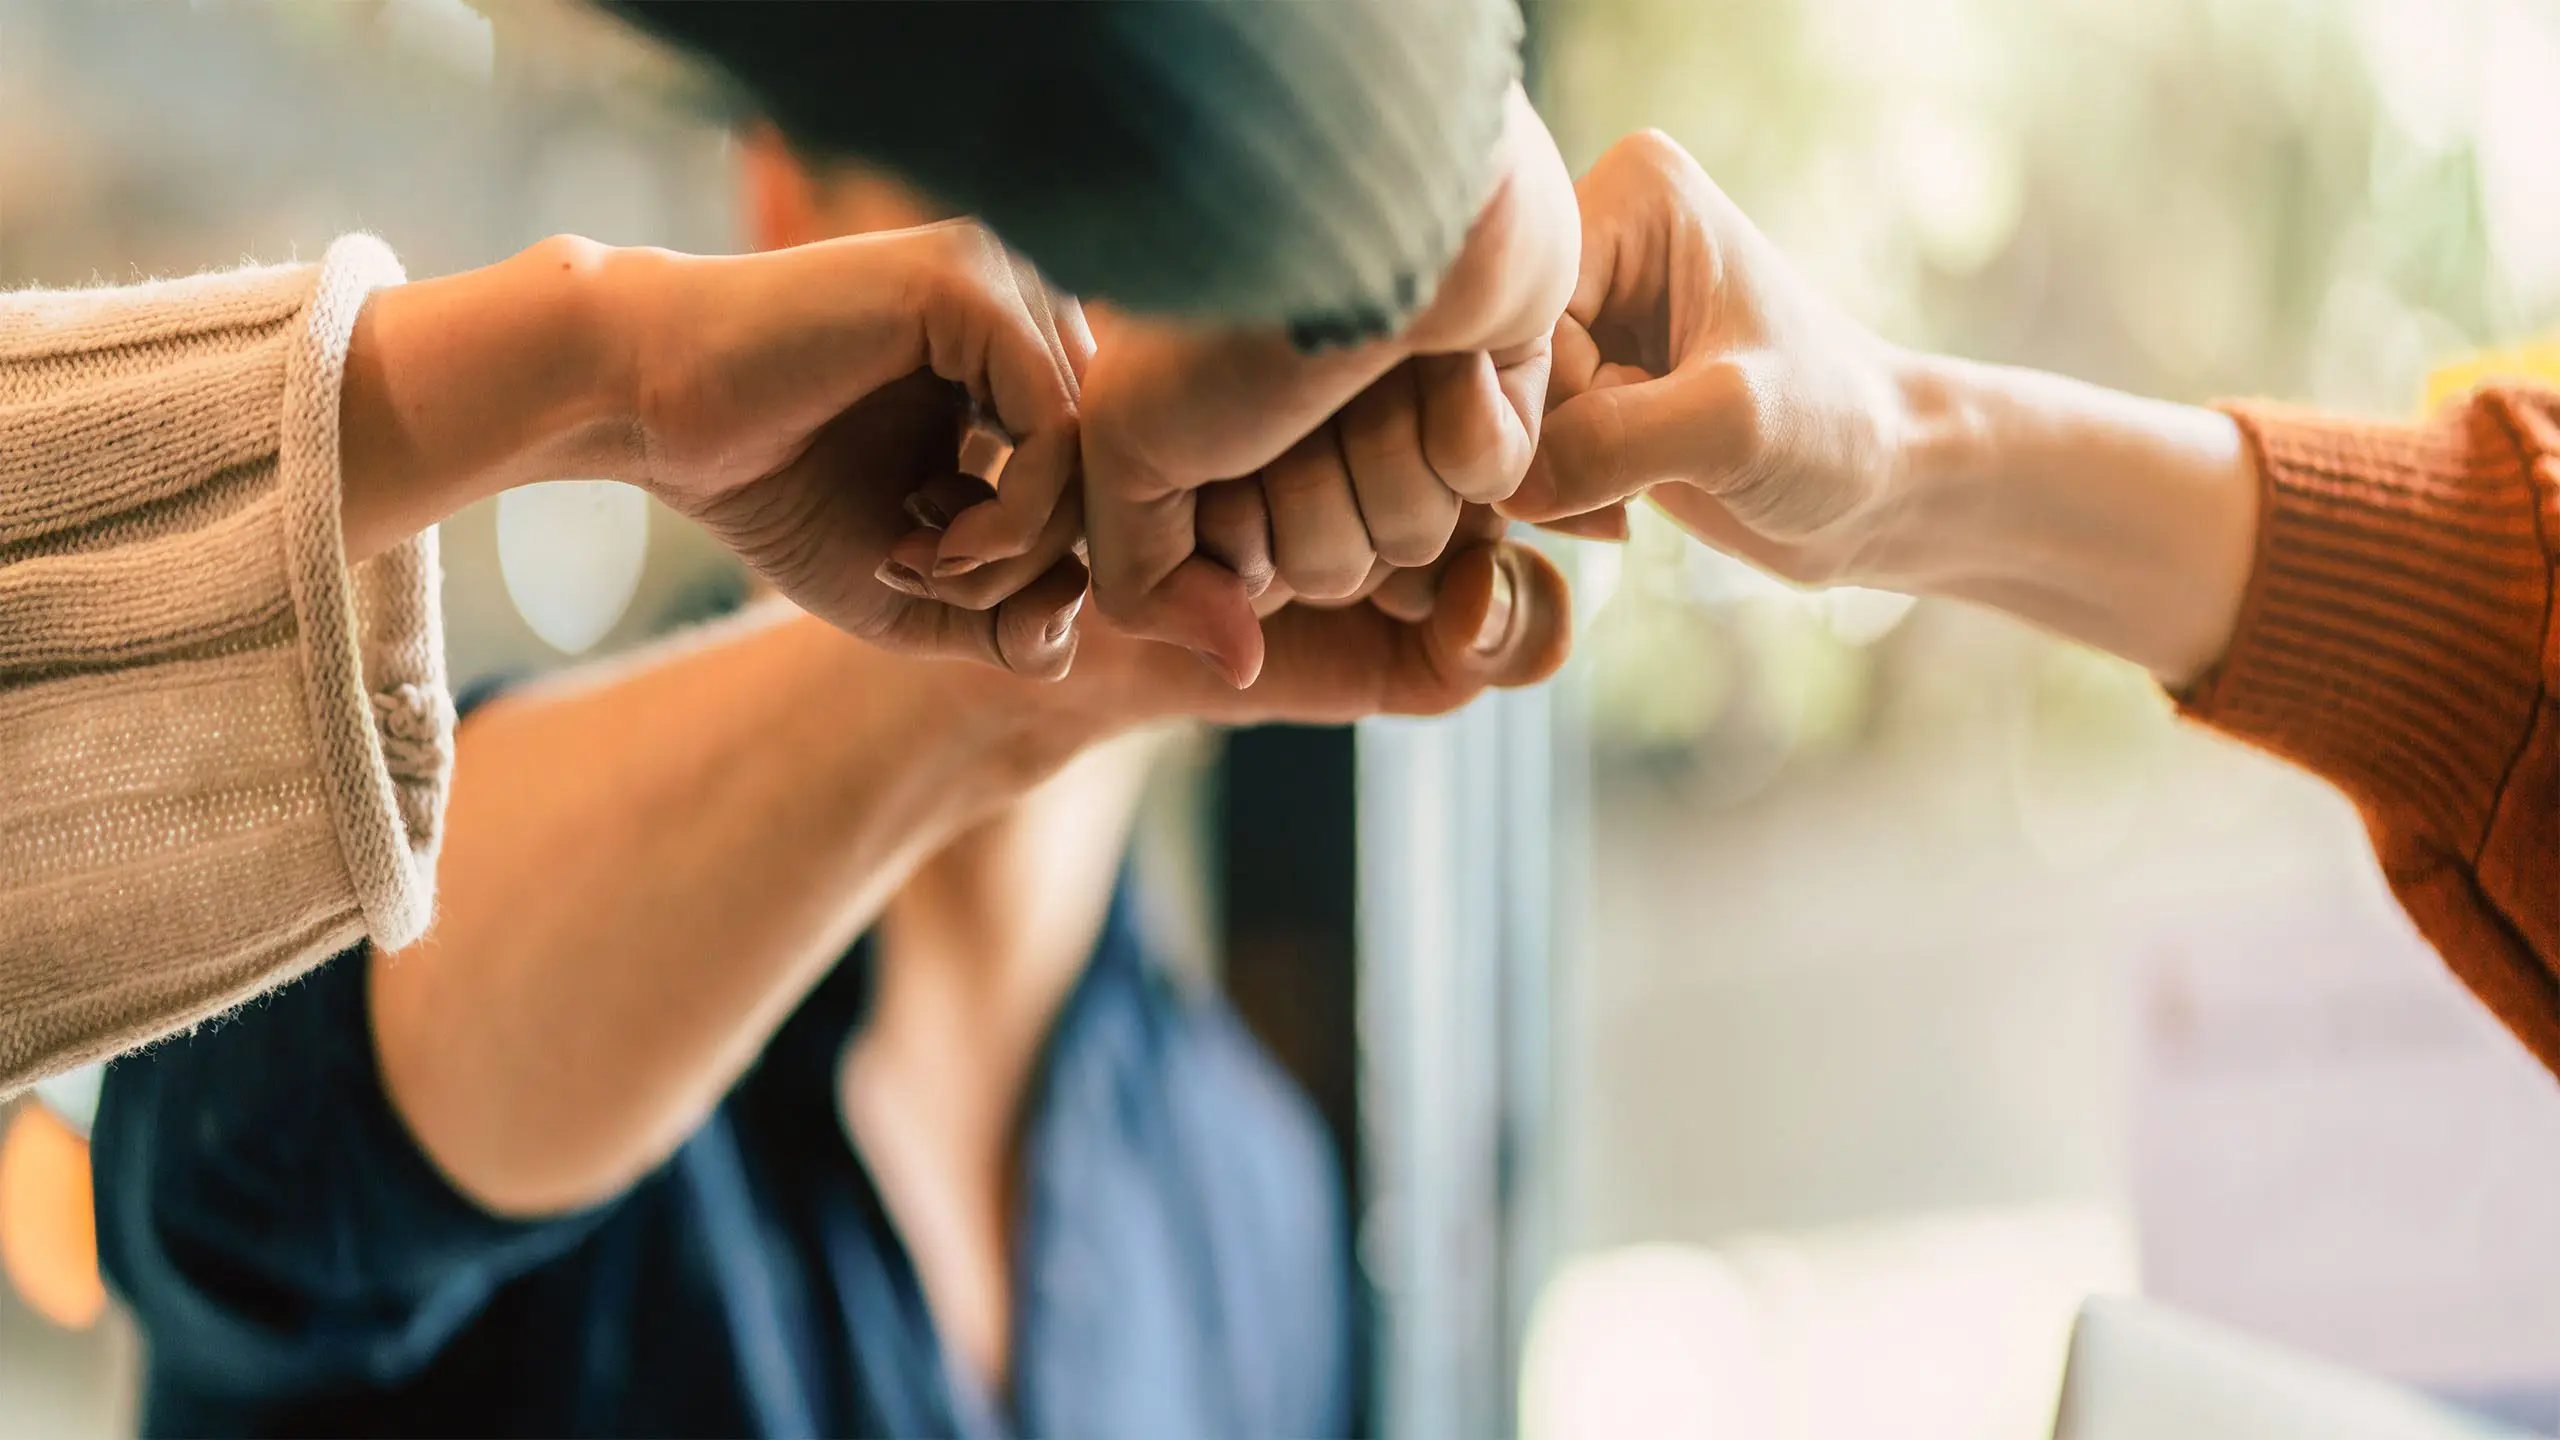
(299, 1267)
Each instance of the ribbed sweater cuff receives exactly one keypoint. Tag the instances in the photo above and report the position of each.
(224, 752)
(372, 635)
(2391, 634)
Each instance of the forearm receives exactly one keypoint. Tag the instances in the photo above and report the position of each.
(465, 385)
(172, 585)
(642, 877)
(2122, 523)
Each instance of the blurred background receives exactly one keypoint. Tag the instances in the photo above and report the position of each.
(1897, 977)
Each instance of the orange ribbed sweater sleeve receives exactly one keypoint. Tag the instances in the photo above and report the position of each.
(2397, 638)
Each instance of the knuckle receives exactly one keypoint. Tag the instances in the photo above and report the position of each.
(968, 244)
(1652, 149)
(959, 263)
(1736, 402)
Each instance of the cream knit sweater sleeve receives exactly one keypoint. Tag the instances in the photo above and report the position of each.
(224, 754)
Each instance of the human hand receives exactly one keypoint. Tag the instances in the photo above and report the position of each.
(1365, 455)
(1490, 613)
(1694, 364)
(791, 402)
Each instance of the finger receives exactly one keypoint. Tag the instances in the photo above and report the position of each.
(983, 452)
(994, 330)
(1318, 540)
(1573, 358)
(1477, 525)
(1621, 264)
(1235, 531)
(1059, 317)
(1151, 585)
(1274, 596)
(1408, 595)
(1038, 470)
(1407, 510)
(1501, 618)
(991, 583)
(1379, 574)
(1146, 578)
(1612, 443)
(932, 630)
(1524, 380)
(1608, 523)
(1474, 434)
(908, 566)
(1603, 240)
(1074, 332)
(1034, 632)
(1205, 599)
(936, 503)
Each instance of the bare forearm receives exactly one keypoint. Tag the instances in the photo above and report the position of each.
(462, 386)
(2122, 523)
(640, 880)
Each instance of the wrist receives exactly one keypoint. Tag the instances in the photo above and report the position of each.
(463, 386)
(579, 413)
(1952, 483)
(2120, 522)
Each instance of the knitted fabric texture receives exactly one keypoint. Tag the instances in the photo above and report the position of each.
(224, 754)
(2398, 638)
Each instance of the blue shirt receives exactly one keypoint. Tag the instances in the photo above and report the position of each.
(299, 1267)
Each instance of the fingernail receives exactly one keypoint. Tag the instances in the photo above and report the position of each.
(903, 579)
(951, 565)
(1495, 629)
(924, 510)
(1062, 622)
(1217, 667)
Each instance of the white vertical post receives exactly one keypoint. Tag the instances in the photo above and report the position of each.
(1457, 884)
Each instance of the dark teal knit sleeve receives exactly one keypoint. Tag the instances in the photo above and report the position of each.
(1313, 163)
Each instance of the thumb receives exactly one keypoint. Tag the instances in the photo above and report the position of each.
(1617, 441)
